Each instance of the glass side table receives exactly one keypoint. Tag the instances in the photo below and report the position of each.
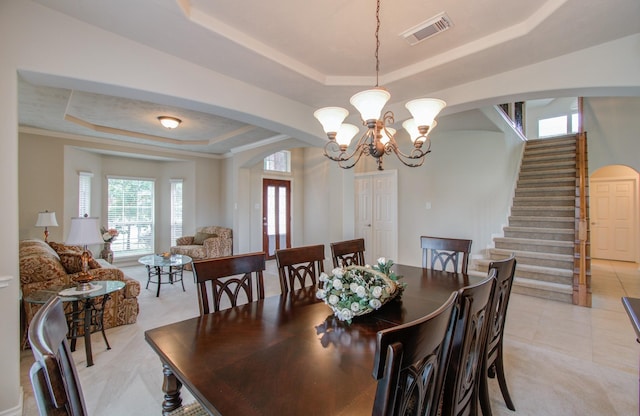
(87, 309)
(155, 268)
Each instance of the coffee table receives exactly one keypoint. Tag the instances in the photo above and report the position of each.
(155, 268)
(85, 311)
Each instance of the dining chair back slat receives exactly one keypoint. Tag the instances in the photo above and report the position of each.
(299, 265)
(410, 364)
(462, 382)
(53, 374)
(439, 253)
(233, 278)
(347, 253)
(505, 271)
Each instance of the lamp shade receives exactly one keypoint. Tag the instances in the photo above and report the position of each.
(46, 219)
(345, 134)
(411, 128)
(370, 102)
(424, 110)
(384, 139)
(84, 231)
(331, 118)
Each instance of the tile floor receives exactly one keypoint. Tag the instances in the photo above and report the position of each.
(560, 359)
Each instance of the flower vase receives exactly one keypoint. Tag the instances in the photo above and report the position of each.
(106, 252)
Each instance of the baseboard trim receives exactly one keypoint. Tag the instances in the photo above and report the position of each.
(17, 410)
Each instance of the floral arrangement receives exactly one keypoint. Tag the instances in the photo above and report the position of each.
(356, 290)
(108, 234)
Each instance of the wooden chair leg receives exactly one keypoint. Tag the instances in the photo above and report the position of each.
(502, 381)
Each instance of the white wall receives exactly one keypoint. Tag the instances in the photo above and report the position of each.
(613, 136)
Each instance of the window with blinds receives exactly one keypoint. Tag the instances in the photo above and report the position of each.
(130, 210)
(84, 193)
(176, 210)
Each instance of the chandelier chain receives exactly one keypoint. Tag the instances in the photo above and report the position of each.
(380, 138)
(377, 41)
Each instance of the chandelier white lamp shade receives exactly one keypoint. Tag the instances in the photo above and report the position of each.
(331, 119)
(379, 138)
(424, 111)
(370, 103)
(414, 133)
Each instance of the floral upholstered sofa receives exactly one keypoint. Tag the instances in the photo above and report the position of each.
(45, 265)
(209, 242)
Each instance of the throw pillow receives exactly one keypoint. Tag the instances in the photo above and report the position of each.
(200, 237)
(72, 262)
(63, 248)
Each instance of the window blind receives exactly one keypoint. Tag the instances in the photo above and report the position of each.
(130, 210)
(176, 210)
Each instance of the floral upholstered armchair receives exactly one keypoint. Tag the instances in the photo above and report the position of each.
(209, 242)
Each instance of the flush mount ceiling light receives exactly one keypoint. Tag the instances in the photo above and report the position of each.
(169, 122)
(378, 139)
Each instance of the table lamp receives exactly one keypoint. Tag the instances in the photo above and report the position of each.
(46, 219)
(84, 231)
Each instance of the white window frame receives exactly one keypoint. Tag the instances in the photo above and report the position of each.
(84, 193)
(176, 209)
(137, 237)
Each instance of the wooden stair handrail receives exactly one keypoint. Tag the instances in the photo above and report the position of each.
(582, 256)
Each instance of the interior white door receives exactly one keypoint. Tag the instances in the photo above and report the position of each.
(377, 214)
(613, 210)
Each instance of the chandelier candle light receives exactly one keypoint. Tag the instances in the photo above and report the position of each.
(379, 139)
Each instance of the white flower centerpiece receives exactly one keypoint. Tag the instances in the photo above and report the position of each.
(356, 290)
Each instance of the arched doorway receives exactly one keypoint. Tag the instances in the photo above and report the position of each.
(614, 202)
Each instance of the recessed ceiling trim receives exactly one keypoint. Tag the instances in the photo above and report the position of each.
(150, 137)
(270, 140)
(515, 31)
(111, 142)
(236, 132)
(211, 23)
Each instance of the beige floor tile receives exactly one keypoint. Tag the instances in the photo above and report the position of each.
(559, 359)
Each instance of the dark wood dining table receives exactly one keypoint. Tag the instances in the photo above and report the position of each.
(288, 354)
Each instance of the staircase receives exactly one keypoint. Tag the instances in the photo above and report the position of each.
(541, 230)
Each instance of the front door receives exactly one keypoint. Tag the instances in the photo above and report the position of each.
(613, 211)
(276, 216)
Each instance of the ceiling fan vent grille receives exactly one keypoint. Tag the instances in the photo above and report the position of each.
(426, 29)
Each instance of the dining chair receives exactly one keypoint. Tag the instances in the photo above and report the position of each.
(411, 362)
(466, 364)
(347, 253)
(232, 277)
(299, 264)
(494, 366)
(439, 253)
(53, 374)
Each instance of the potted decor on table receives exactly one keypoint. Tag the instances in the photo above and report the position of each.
(108, 235)
(357, 290)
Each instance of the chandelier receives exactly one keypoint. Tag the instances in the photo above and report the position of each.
(379, 139)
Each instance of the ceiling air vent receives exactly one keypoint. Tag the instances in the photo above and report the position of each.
(426, 29)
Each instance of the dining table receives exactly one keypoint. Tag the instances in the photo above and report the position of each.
(288, 354)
